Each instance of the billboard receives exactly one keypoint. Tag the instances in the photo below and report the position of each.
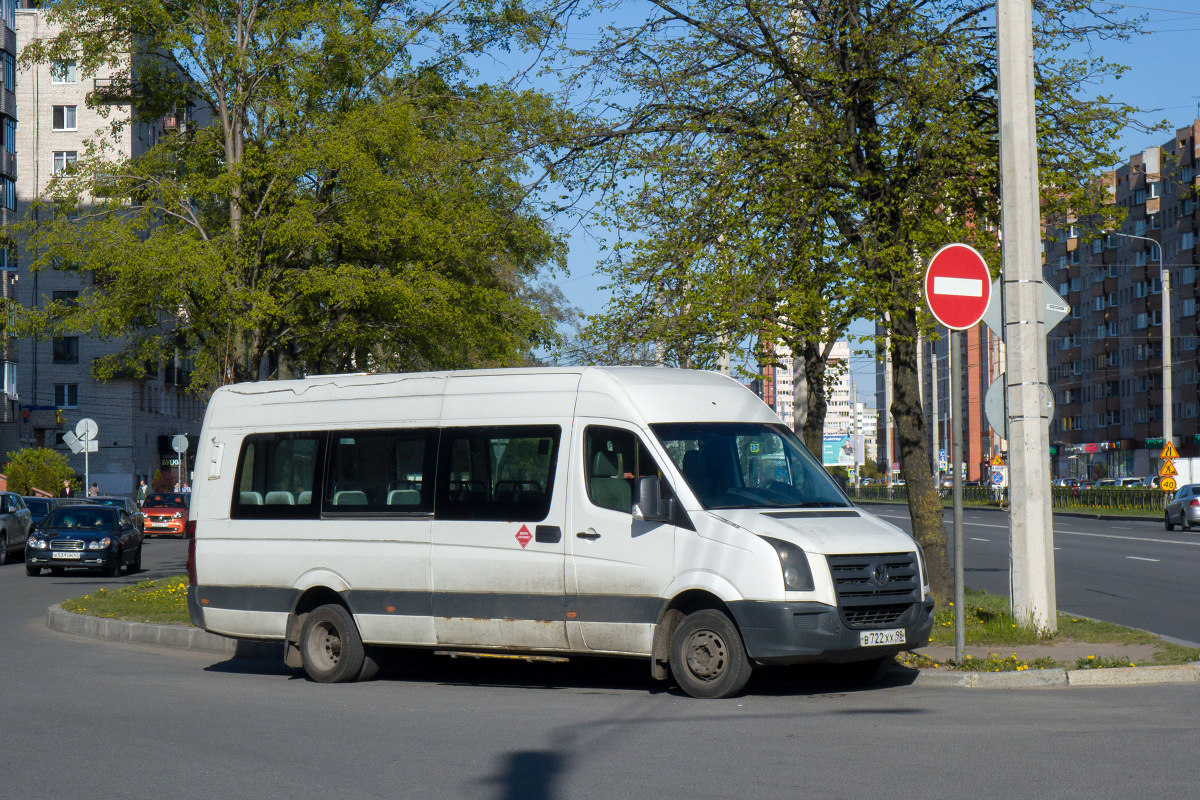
(840, 451)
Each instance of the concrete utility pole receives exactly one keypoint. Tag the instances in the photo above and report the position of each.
(1032, 534)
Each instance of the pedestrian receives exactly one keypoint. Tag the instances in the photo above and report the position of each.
(94, 491)
(143, 491)
(67, 491)
(187, 488)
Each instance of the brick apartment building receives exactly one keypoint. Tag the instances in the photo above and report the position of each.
(53, 378)
(1106, 360)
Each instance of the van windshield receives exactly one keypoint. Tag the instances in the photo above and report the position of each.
(747, 465)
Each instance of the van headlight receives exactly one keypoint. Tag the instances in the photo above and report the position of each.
(797, 576)
(921, 561)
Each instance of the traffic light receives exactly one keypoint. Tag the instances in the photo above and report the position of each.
(58, 416)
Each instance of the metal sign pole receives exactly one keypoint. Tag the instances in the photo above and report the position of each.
(87, 472)
(956, 460)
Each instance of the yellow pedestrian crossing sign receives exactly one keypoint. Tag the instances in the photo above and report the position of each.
(1169, 452)
(1168, 469)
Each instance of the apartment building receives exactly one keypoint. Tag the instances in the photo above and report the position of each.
(1105, 361)
(9, 393)
(138, 414)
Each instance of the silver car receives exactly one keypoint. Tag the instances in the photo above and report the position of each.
(1183, 509)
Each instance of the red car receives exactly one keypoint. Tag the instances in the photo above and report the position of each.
(166, 514)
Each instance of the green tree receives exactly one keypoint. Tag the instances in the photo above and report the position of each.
(329, 202)
(39, 468)
(873, 119)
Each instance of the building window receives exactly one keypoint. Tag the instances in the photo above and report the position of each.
(10, 72)
(66, 395)
(64, 118)
(1153, 189)
(64, 71)
(66, 349)
(64, 160)
(1187, 240)
(66, 298)
(10, 135)
(10, 194)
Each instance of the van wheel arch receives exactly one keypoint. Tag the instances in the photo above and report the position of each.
(674, 612)
(310, 600)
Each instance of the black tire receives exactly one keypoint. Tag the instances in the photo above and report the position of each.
(115, 570)
(330, 647)
(32, 571)
(708, 659)
(1167, 522)
(136, 565)
(3, 547)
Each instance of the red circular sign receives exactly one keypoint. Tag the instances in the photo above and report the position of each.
(958, 286)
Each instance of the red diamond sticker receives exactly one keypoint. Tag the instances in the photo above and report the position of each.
(524, 536)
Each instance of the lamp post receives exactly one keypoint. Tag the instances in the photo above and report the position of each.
(1168, 393)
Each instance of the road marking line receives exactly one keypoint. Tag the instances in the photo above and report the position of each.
(1139, 558)
(1076, 533)
(977, 539)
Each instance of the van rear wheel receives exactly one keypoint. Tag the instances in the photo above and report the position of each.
(708, 659)
(330, 647)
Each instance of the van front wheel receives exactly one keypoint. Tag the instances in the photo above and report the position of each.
(330, 647)
(708, 658)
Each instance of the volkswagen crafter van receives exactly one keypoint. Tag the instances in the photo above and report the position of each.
(660, 513)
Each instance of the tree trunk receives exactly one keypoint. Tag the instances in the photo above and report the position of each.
(924, 502)
(817, 397)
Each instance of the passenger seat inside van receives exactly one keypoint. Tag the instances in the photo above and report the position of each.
(607, 484)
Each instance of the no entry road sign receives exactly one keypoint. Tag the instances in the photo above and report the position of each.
(958, 286)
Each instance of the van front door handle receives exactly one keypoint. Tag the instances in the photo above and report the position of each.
(589, 534)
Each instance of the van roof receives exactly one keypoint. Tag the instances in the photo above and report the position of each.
(656, 394)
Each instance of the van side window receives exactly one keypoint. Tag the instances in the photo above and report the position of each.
(380, 471)
(497, 473)
(276, 476)
(614, 458)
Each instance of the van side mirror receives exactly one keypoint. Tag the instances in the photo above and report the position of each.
(649, 505)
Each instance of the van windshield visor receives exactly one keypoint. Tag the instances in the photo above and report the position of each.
(747, 465)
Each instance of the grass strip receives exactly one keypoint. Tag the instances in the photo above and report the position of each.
(988, 622)
(162, 601)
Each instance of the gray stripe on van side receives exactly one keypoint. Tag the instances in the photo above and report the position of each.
(248, 598)
(464, 605)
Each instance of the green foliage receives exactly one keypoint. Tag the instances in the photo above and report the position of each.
(329, 204)
(41, 468)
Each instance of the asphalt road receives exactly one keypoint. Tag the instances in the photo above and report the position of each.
(83, 718)
(1132, 572)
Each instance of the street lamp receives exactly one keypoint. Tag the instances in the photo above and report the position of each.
(1168, 393)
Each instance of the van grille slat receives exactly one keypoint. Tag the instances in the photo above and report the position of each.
(863, 601)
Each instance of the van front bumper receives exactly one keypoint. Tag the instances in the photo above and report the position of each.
(802, 633)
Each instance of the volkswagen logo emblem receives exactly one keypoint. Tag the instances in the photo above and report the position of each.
(879, 574)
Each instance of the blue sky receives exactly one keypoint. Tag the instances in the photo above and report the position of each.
(1163, 78)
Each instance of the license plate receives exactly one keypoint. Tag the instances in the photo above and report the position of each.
(66, 555)
(875, 638)
(159, 525)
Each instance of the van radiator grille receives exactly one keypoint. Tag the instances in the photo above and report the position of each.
(876, 590)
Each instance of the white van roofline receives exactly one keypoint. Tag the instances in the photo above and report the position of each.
(638, 394)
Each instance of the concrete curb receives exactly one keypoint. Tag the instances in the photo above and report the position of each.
(1058, 678)
(175, 637)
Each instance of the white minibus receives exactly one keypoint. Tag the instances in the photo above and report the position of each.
(626, 511)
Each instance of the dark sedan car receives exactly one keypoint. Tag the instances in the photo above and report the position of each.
(39, 507)
(89, 536)
(126, 504)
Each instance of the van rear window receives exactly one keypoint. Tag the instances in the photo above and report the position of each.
(277, 475)
(497, 473)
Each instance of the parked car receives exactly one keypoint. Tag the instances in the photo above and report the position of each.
(15, 521)
(1132, 483)
(1105, 483)
(128, 505)
(1183, 509)
(91, 536)
(166, 514)
(39, 507)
